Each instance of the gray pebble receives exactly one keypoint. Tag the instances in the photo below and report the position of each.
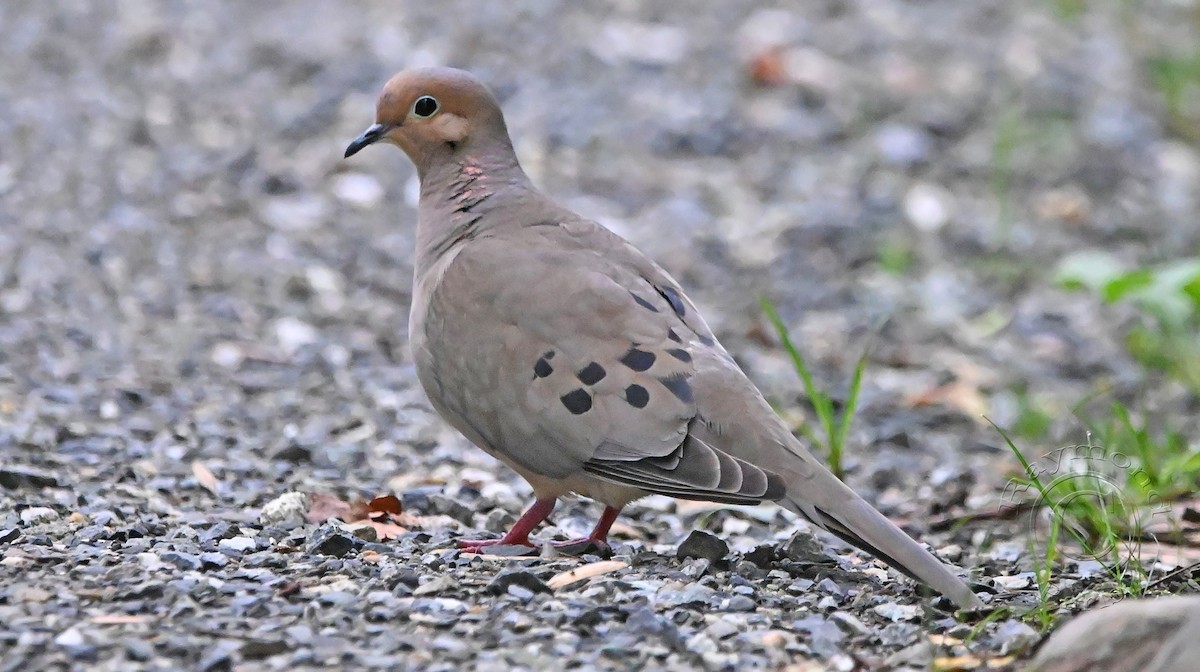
(700, 544)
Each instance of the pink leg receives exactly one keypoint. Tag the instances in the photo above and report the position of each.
(600, 532)
(519, 534)
(599, 535)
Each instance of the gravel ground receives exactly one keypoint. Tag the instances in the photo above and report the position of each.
(203, 309)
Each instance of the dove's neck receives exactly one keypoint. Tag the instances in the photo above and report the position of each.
(460, 199)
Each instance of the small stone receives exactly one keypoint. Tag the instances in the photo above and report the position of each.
(184, 561)
(720, 629)
(903, 146)
(928, 206)
(257, 649)
(365, 531)
(762, 556)
(293, 334)
(776, 639)
(898, 612)
(357, 189)
(237, 545)
(15, 477)
(703, 545)
(1017, 582)
(76, 646)
(651, 43)
(213, 560)
(330, 541)
(32, 594)
(138, 649)
(800, 586)
(824, 636)
(301, 634)
(217, 658)
(526, 580)
(8, 535)
(299, 212)
(150, 562)
(849, 623)
(70, 637)
(827, 585)
(1125, 636)
(227, 355)
(437, 585)
(741, 603)
(523, 594)
(286, 511)
(806, 548)
(1013, 636)
(35, 515)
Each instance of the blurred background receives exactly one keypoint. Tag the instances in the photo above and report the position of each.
(1001, 200)
(177, 224)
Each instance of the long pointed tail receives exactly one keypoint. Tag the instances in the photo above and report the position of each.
(833, 506)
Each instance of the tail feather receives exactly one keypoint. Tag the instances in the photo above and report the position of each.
(850, 518)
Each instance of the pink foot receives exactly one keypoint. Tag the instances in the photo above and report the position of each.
(596, 542)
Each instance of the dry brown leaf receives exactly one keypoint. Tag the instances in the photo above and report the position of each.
(205, 477)
(626, 531)
(958, 395)
(322, 507)
(767, 68)
(957, 664)
(383, 514)
(386, 530)
(585, 572)
(433, 522)
(386, 504)
(944, 640)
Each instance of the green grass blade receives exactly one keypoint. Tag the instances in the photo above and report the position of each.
(819, 400)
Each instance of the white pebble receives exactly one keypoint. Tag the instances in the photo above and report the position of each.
(295, 213)
(927, 206)
(359, 190)
(38, 514)
(286, 511)
(238, 544)
(294, 334)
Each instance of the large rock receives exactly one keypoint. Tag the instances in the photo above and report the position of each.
(1158, 635)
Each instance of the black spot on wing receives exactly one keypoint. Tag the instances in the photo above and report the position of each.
(706, 340)
(679, 386)
(673, 336)
(680, 354)
(644, 303)
(637, 396)
(577, 402)
(591, 374)
(673, 298)
(638, 360)
(542, 368)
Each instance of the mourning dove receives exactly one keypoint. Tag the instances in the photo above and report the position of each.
(561, 350)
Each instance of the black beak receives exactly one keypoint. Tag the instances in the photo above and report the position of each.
(369, 136)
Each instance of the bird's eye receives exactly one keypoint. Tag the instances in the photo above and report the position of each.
(425, 106)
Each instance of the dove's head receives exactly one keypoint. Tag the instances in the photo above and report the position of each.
(436, 115)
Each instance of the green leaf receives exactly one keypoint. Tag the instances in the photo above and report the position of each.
(1089, 269)
(1191, 290)
(1125, 284)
